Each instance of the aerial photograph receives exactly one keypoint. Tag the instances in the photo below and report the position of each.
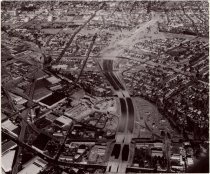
(104, 86)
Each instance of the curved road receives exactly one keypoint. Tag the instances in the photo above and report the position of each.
(119, 158)
(123, 115)
(131, 115)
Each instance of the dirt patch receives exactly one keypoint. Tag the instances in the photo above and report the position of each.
(148, 120)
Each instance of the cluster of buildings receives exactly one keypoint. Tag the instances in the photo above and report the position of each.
(83, 11)
(18, 69)
(83, 152)
(75, 121)
(153, 156)
(176, 81)
(183, 155)
(35, 165)
(96, 119)
(150, 155)
(44, 94)
(89, 132)
(97, 84)
(79, 111)
(185, 18)
(158, 45)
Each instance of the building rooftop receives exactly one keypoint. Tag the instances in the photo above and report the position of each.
(63, 121)
(34, 168)
(7, 146)
(41, 74)
(41, 93)
(51, 117)
(53, 80)
(41, 141)
(3, 117)
(8, 125)
(7, 161)
(52, 99)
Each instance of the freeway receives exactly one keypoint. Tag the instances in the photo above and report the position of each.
(108, 71)
(111, 81)
(119, 157)
(123, 115)
(107, 65)
(124, 102)
(131, 115)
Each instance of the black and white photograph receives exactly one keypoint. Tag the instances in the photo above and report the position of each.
(104, 86)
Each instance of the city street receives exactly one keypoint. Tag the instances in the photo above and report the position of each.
(96, 87)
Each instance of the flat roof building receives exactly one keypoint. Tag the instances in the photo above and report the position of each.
(7, 161)
(157, 153)
(60, 67)
(53, 80)
(63, 121)
(41, 93)
(3, 117)
(34, 166)
(7, 156)
(8, 125)
(52, 100)
(8, 146)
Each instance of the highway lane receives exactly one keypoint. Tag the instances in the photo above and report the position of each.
(116, 151)
(108, 68)
(125, 152)
(107, 65)
(123, 121)
(111, 81)
(124, 133)
(131, 115)
(117, 81)
(115, 158)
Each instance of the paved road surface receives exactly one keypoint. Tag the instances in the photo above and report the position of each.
(118, 160)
